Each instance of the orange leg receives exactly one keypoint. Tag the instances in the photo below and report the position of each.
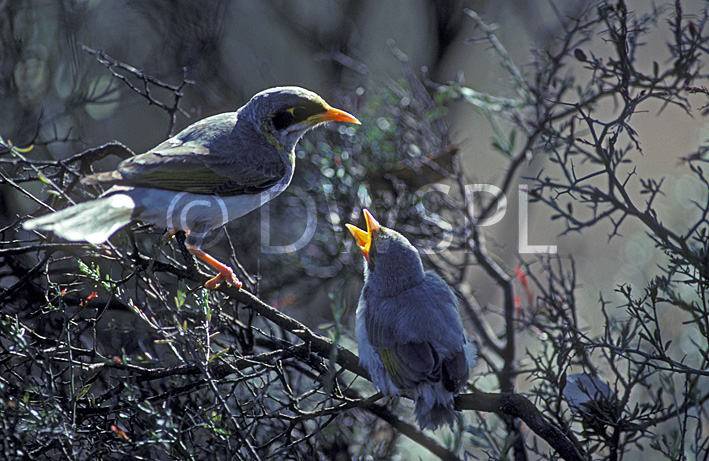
(225, 272)
(169, 235)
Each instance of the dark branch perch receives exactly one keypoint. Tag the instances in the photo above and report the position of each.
(520, 407)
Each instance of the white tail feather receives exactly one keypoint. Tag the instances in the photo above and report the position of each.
(93, 221)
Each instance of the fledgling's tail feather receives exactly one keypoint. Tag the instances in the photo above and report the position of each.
(93, 221)
(434, 406)
(435, 401)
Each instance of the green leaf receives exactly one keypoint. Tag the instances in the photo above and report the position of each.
(218, 354)
(43, 178)
(84, 390)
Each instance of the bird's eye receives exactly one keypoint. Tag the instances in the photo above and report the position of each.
(290, 116)
(282, 119)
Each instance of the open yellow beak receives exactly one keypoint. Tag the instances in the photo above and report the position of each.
(364, 238)
(334, 115)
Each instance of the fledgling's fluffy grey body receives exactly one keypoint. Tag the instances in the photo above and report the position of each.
(409, 331)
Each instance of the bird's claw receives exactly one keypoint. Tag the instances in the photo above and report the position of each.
(226, 275)
(170, 234)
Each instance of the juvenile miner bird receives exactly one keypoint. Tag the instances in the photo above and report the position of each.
(409, 332)
(215, 170)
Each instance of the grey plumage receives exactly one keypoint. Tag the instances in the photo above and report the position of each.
(409, 332)
(215, 170)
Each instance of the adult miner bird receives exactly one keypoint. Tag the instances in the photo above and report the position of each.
(215, 170)
(409, 332)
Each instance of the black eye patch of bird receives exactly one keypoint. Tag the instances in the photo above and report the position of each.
(298, 114)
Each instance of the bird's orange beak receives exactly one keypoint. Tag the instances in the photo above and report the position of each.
(335, 115)
(364, 238)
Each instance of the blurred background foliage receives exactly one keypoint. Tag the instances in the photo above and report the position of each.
(438, 105)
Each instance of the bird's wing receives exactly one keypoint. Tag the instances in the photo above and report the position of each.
(455, 371)
(407, 362)
(411, 364)
(418, 334)
(205, 158)
(190, 168)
